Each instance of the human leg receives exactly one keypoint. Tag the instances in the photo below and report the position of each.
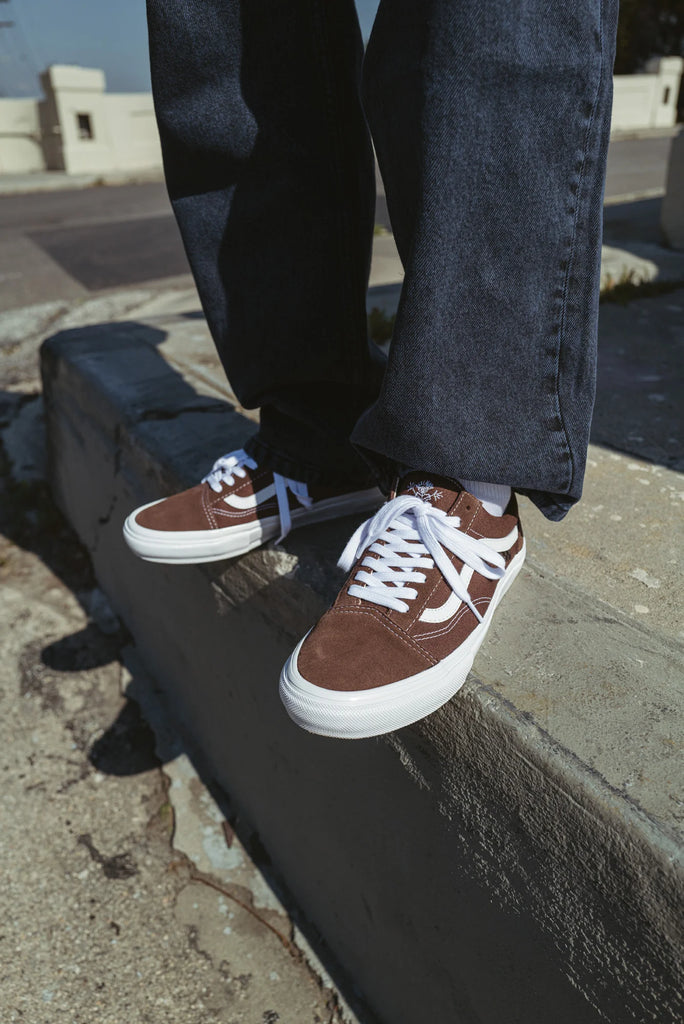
(491, 127)
(270, 172)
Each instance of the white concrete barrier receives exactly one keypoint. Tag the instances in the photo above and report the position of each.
(78, 127)
(21, 144)
(648, 100)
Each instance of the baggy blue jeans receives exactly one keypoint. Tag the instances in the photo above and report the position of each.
(490, 120)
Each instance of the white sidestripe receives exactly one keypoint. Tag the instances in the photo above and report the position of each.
(252, 500)
(453, 603)
(502, 543)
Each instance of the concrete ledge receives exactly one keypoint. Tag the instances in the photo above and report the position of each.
(512, 858)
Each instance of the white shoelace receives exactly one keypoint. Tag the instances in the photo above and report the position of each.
(408, 535)
(237, 463)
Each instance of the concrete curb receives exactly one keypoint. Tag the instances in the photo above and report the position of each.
(502, 872)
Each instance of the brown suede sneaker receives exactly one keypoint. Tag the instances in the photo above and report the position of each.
(429, 570)
(236, 508)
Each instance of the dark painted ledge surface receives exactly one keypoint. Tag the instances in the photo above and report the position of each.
(515, 857)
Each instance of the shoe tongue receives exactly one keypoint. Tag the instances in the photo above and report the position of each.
(438, 491)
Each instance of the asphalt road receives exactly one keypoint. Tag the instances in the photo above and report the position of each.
(62, 245)
(636, 167)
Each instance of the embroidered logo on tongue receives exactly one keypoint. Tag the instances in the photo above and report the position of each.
(425, 490)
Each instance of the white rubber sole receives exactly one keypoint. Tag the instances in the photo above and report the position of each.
(188, 547)
(362, 713)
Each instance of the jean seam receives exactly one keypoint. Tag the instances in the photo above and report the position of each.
(572, 253)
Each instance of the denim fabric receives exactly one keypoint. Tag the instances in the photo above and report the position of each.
(490, 122)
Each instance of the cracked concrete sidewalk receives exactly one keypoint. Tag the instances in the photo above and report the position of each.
(127, 897)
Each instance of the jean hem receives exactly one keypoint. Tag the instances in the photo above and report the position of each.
(553, 505)
(296, 468)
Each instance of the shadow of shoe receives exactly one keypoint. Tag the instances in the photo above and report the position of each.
(128, 745)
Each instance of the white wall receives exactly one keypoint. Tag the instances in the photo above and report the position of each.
(20, 137)
(633, 97)
(132, 131)
(669, 71)
(81, 91)
(124, 131)
(648, 100)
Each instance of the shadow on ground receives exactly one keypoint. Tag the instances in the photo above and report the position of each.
(30, 519)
